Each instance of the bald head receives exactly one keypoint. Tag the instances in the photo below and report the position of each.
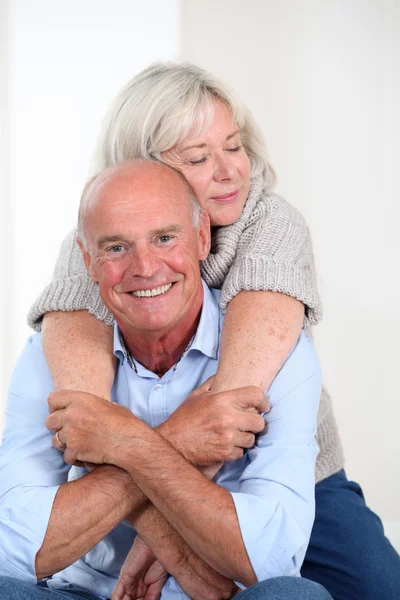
(132, 174)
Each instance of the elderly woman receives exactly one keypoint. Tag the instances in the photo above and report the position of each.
(262, 260)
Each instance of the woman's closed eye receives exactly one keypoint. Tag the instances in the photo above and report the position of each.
(198, 161)
(235, 149)
(202, 160)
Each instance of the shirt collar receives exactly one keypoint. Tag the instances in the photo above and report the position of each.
(206, 339)
(208, 331)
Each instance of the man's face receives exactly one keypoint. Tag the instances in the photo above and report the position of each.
(144, 251)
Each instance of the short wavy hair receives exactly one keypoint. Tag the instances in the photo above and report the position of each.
(160, 106)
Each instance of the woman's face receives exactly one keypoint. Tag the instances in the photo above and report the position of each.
(216, 166)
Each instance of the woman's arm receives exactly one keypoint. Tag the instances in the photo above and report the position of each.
(77, 345)
(259, 330)
(264, 265)
(79, 352)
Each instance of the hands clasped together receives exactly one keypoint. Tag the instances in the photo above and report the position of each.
(208, 429)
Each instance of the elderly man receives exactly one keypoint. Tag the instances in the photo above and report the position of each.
(150, 462)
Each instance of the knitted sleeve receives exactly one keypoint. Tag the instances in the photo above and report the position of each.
(71, 288)
(268, 248)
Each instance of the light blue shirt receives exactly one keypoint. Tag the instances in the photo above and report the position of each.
(272, 485)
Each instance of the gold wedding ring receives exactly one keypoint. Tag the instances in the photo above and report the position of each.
(58, 439)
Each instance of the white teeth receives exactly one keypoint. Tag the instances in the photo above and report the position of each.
(151, 293)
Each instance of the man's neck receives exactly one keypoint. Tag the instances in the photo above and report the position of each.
(159, 351)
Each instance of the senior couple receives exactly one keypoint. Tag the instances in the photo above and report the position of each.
(190, 481)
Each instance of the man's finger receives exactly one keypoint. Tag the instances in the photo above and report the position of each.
(58, 400)
(252, 397)
(57, 443)
(251, 422)
(119, 591)
(245, 440)
(55, 421)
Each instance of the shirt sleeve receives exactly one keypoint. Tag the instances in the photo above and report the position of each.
(70, 289)
(31, 470)
(275, 501)
(268, 248)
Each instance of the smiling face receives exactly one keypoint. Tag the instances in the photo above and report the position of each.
(143, 250)
(216, 166)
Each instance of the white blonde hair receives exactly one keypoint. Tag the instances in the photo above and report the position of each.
(161, 106)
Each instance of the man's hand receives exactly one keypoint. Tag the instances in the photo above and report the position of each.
(211, 428)
(142, 576)
(86, 427)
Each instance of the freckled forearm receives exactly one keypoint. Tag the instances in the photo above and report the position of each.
(177, 557)
(79, 352)
(84, 511)
(260, 329)
(201, 512)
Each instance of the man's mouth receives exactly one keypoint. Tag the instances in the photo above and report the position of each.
(151, 293)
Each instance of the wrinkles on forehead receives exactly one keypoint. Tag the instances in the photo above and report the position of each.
(137, 173)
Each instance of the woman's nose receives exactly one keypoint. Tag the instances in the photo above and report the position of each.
(224, 168)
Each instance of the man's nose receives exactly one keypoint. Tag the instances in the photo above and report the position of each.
(145, 262)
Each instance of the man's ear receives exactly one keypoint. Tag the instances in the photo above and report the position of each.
(204, 235)
(87, 259)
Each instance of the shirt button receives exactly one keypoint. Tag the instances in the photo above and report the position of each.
(158, 387)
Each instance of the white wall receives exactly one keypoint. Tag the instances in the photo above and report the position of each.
(323, 79)
(65, 61)
(5, 225)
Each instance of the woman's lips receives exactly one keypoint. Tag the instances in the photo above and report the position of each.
(231, 197)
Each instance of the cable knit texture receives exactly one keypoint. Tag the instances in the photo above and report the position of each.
(268, 248)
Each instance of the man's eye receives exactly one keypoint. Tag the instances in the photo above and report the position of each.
(164, 239)
(117, 249)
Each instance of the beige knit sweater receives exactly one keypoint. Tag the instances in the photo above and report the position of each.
(267, 248)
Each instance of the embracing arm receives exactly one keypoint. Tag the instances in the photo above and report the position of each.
(264, 265)
(259, 330)
(270, 323)
(79, 352)
(77, 339)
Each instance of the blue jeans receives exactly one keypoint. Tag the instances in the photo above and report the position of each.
(348, 553)
(279, 588)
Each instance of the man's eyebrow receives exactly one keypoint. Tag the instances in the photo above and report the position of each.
(107, 239)
(173, 228)
(228, 137)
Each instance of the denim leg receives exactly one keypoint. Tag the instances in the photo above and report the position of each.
(15, 589)
(348, 553)
(285, 588)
